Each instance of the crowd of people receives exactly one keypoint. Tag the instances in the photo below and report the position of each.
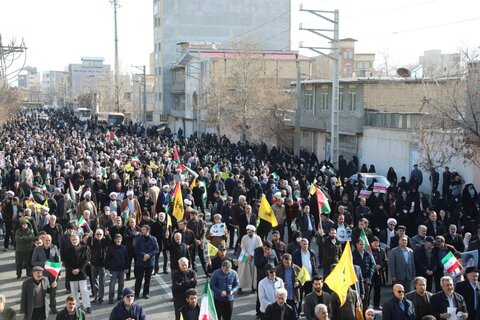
(97, 201)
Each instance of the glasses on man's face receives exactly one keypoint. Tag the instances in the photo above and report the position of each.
(400, 291)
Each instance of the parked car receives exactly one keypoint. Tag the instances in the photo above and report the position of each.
(369, 178)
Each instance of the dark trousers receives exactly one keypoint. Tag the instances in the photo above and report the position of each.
(366, 297)
(201, 254)
(141, 272)
(8, 234)
(177, 304)
(377, 286)
(224, 309)
(281, 229)
(131, 256)
(38, 314)
(291, 303)
(157, 260)
(304, 290)
(231, 235)
(22, 260)
(429, 282)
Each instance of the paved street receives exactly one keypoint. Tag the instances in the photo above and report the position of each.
(158, 306)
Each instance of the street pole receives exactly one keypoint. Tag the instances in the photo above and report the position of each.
(117, 102)
(333, 36)
(144, 95)
(297, 136)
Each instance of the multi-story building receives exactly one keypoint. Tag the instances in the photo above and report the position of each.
(393, 102)
(54, 87)
(29, 81)
(89, 75)
(213, 21)
(199, 64)
(437, 64)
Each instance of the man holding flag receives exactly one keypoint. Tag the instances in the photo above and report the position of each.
(363, 258)
(343, 299)
(48, 257)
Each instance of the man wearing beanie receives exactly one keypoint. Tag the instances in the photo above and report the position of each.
(127, 308)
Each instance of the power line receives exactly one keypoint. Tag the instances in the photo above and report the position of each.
(389, 10)
(419, 28)
(260, 25)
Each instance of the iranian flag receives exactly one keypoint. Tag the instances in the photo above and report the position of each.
(135, 159)
(176, 158)
(82, 222)
(323, 205)
(363, 236)
(451, 264)
(53, 268)
(207, 307)
(112, 136)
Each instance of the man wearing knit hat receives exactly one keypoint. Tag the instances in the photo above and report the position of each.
(127, 308)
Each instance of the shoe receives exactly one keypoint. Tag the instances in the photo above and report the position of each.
(18, 278)
(146, 296)
(53, 310)
(89, 310)
(95, 300)
(111, 301)
(68, 291)
(240, 292)
(100, 300)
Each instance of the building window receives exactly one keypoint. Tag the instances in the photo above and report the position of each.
(306, 133)
(324, 100)
(352, 93)
(149, 116)
(340, 99)
(347, 55)
(308, 100)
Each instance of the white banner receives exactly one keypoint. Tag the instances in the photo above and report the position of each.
(217, 230)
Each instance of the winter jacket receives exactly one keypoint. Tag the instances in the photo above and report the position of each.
(145, 245)
(116, 258)
(224, 282)
(24, 238)
(119, 312)
(98, 250)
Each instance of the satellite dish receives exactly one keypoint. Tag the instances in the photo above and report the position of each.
(403, 72)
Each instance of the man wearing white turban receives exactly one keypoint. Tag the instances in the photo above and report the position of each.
(87, 204)
(246, 268)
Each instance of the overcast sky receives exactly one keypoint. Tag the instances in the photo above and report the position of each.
(60, 32)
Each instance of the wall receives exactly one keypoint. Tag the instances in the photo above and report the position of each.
(216, 21)
(387, 148)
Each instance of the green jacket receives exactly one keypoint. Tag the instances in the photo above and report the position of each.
(24, 238)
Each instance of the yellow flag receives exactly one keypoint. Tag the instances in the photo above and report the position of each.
(46, 203)
(265, 212)
(212, 250)
(339, 181)
(178, 205)
(303, 276)
(169, 220)
(225, 175)
(181, 316)
(153, 165)
(194, 183)
(312, 189)
(128, 167)
(343, 275)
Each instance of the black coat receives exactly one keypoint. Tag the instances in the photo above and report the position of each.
(273, 312)
(392, 311)
(465, 289)
(439, 303)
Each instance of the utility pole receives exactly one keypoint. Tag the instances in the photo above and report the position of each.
(8, 54)
(298, 112)
(117, 93)
(332, 35)
(144, 84)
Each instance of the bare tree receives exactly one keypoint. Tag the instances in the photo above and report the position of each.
(243, 97)
(10, 103)
(436, 142)
(458, 102)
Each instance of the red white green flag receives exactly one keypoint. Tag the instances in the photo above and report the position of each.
(323, 205)
(363, 236)
(82, 222)
(451, 264)
(53, 268)
(135, 159)
(207, 306)
(112, 136)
